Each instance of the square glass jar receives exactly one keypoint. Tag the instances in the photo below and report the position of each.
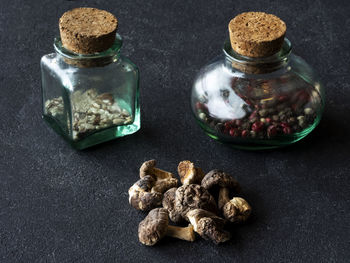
(90, 99)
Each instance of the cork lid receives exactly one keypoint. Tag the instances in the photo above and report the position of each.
(87, 30)
(256, 34)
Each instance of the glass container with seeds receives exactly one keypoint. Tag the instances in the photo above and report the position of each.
(257, 94)
(90, 91)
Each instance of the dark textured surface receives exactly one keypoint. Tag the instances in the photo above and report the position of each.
(61, 205)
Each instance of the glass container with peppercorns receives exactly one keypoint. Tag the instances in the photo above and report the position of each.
(257, 94)
(90, 91)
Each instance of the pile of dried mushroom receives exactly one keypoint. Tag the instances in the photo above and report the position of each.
(193, 202)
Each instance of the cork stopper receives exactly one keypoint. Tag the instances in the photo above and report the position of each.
(87, 30)
(256, 34)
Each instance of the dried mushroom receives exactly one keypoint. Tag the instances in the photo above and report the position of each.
(169, 204)
(235, 210)
(193, 196)
(164, 180)
(149, 167)
(155, 226)
(208, 225)
(189, 174)
(141, 197)
(191, 202)
(221, 179)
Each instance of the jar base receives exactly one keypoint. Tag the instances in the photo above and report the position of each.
(256, 144)
(97, 137)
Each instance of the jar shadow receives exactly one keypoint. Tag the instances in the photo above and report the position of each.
(133, 139)
(331, 130)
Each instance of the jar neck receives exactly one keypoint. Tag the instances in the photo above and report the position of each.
(261, 65)
(99, 59)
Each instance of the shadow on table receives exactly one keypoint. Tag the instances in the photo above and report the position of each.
(145, 133)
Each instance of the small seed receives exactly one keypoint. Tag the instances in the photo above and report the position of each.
(118, 121)
(114, 108)
(301, 117)
(291, 120)
(95, 105)
(97, 119)
(308, 111)
(263, 113)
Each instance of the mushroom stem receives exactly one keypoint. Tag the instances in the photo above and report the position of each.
(161, 174)
(223, 197)
(184, 233)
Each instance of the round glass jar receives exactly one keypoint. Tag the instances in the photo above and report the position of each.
(257, 103)
(90, 98)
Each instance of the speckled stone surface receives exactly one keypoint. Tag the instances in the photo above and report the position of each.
(62, 205)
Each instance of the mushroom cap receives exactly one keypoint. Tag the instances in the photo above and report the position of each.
(163, 185)
(153, 227)
(140, 196)
(237, 210)
(196, 214)
(208, 230)
(188, 173)
(147, 168)
(208, 225)
(193, 196)
(169, 204)
(221, 179)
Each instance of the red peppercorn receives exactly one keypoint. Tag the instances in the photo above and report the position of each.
(253, 114)
(282, 98)
(234, 132)
(257, 126)
(248, 102)
(287, 130)
(245, 133)
(200, 106)
(271, 131)
(284, 125)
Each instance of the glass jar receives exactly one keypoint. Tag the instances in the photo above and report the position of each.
(257, 102)
(91, 98)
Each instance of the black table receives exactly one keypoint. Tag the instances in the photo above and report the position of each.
(62, 205)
